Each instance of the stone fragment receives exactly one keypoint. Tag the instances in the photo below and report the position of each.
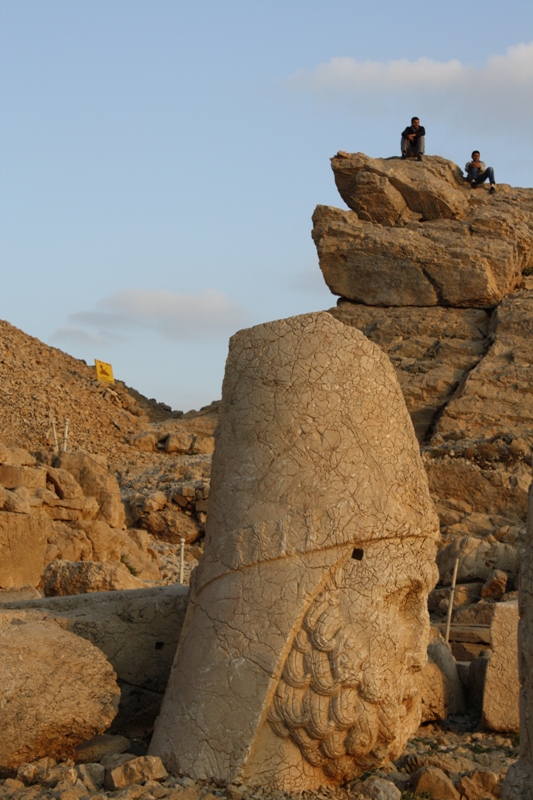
(79, 577)
(171, 525)
(318, 560)
(374, 788)
(18, 501)
(91, 775)
(435, 782)
(65, 486)
(99, 746)
(179, 441)
(479, 785)
(95, 481)
(11, 477)
(495, 585)
(58, 690)
(502, 687)
(145, 441)
(135, 770)
(203, 445)
(22, 549)
(440, 687)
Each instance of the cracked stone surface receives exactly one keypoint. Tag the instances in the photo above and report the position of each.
(307, 628)
(519, 780)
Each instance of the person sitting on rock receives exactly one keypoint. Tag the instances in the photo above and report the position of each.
(476, 174)
(413, 138)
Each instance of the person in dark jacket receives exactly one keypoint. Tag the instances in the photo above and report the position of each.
(413, 140)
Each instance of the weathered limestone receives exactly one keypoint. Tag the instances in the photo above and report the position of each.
(440, 687)
(445, 263)
(138, 632)
(518, 784)
(500, 696)
(57, 690)
(432, 350)
(96, 481)
(22, 549)
(307, 623)
(78, 577)
(378, 187)
(418, 236)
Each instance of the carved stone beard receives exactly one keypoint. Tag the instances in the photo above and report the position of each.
(348, 685)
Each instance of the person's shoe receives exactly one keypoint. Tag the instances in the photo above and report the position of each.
(419, 157)
(492, 189)
(473, 184)
(404, 155)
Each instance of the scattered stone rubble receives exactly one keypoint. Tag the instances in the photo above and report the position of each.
(469, 765)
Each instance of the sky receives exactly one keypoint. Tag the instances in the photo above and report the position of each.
(160, 160)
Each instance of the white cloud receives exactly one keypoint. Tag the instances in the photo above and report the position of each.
(72, 335)
(173, 315)
(501, 90)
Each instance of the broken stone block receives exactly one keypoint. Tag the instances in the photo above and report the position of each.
(502, 687)
(11, 477)
(22, 549)
(78, 577)
(297, 666)
(495, 585)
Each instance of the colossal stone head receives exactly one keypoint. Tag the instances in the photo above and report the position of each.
(307, 626)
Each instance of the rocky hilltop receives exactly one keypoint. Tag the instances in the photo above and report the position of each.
(437, 274)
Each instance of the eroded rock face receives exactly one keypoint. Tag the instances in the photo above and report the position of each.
(417, 235)
(519, 780)
(308, 619)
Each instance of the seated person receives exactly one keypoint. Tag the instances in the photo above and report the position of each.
(413, 138)
(476, 173)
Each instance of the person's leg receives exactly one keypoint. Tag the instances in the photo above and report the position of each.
(419, 145)
(472, 176)
(405, 146)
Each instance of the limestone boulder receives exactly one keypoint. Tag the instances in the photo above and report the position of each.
(421, 264)
(138, 632)
(78, 577)
(171, 525)
(380, 189)
(58, 690)
(308, 615)
(95, 481)
(16, 456)
(23, 540)
(502, 687)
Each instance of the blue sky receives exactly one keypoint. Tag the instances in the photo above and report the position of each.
(161, 160)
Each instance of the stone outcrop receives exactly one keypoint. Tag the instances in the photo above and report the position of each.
(307, 621)
(419, 236)
(57, 690)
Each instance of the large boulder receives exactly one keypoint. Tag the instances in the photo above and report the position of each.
(137, 631)
(380, 189)
(57, 690)
(308, 617)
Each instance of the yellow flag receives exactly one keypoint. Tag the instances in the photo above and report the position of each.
(104, 372)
